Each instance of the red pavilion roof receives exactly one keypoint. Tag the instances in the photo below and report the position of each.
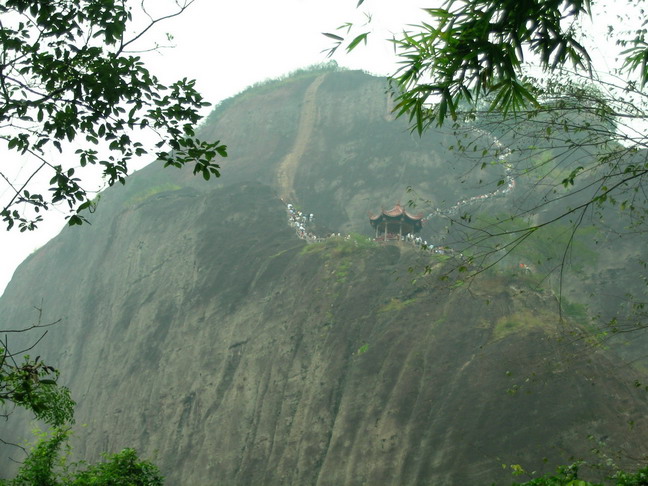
(396, 212)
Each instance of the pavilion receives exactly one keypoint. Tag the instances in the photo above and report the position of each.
(395, 223)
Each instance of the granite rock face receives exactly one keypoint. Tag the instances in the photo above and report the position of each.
(197, 328)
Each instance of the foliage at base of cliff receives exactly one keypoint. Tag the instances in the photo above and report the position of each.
(570, 476)
(46, 465)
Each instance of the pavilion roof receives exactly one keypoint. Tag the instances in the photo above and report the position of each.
(397, 212)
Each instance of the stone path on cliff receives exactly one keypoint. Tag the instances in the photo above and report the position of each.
(288, 166)
(506, 186)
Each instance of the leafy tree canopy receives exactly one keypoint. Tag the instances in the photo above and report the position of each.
(74, 95)
(470, 50)
(31, 384)
(47, 466)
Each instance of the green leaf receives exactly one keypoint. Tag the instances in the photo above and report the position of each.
(333, 36)
(358, 39)
(75, 220)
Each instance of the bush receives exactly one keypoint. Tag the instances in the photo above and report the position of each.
(44, 466)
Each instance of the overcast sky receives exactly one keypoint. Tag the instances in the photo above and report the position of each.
(229, 45)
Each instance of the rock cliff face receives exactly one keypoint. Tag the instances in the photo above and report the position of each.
(197, 328)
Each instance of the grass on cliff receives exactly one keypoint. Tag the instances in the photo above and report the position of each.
(335, 247)
(528, 321)
(396, 305)
(519, 322)
(150, 192)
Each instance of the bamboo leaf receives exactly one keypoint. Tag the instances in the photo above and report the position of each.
(333, 36)
(354, 43)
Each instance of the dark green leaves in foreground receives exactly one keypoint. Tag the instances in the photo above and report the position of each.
(470, 49)
(68, 79)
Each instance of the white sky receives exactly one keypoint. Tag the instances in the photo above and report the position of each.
(229, 45)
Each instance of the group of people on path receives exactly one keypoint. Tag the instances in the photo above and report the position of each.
(299, 221)
(302, 223)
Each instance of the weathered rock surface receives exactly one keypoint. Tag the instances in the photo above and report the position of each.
(200, 330)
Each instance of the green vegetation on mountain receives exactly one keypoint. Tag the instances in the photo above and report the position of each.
(47, 465)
